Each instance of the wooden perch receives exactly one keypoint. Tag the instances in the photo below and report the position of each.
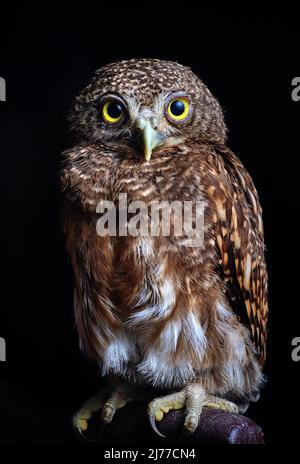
(130, 426)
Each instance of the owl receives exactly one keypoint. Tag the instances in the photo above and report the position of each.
(157, 309)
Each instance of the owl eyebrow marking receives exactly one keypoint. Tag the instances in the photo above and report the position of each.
(159, 102)
(133, 107)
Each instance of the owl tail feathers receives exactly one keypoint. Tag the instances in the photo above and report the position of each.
(193, 398)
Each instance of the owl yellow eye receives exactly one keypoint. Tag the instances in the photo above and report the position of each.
(179, 109)
(112, 111)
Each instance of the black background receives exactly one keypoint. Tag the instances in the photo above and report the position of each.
(248, 61)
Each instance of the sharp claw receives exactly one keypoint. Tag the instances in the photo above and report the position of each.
(79, 431)
(190, 424)
(154, 427)
(107, 414)
(76, 426)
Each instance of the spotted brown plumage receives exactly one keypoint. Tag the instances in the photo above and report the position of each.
(154, 310)
(240, 238)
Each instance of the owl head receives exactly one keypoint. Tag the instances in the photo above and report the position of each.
(144, 106)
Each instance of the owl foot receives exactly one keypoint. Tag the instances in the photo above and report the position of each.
(193, 398)
(108, 401)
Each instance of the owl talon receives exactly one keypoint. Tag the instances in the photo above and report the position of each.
(219, 403)
(152, 419)
(193, 398)
(106, 402)
(81, 418)
(116, 401)
(161, 406)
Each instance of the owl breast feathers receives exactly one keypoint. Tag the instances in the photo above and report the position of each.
(151, 308)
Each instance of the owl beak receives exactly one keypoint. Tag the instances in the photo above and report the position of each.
(150, 137)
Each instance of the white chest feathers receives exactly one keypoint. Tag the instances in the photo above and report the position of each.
(162, 360)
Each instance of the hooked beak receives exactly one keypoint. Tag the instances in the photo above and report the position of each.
(150, 137)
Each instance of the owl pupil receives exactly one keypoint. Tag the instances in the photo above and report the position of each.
(114, 110)
(177, 107)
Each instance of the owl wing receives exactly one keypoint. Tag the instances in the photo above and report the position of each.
(238, 230)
